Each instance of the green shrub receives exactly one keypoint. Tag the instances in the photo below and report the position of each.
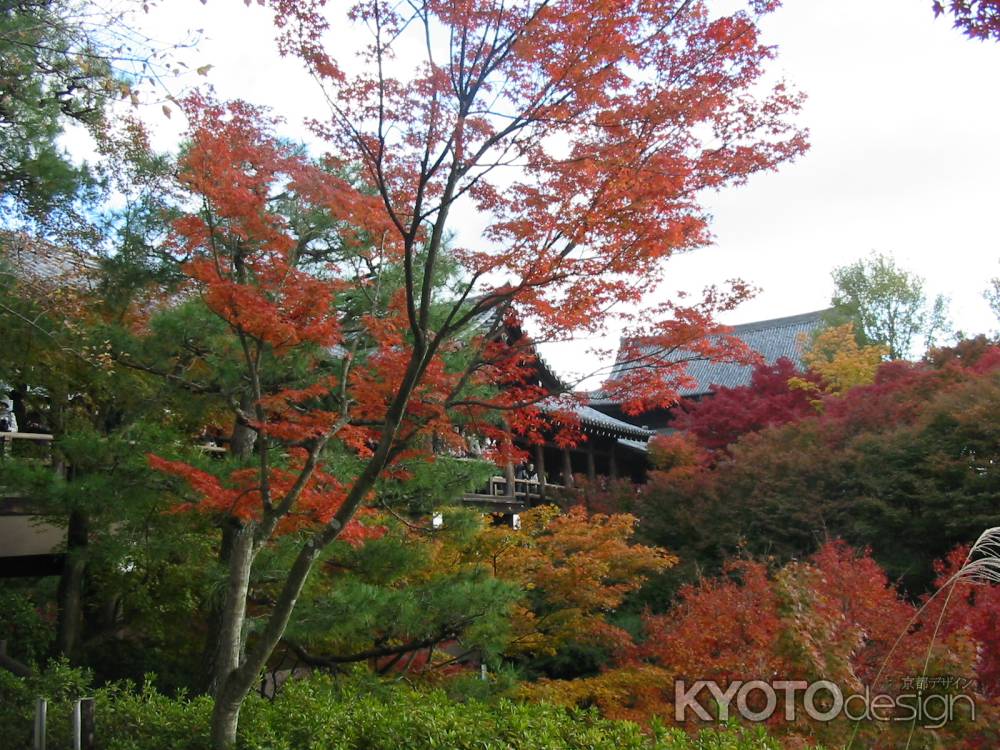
(317, 715)
(59, 683)
(321, 713)
(22, 626)
(128, 719)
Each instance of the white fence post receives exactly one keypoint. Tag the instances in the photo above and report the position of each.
(83, 724)
(76, 724)
(38, 741)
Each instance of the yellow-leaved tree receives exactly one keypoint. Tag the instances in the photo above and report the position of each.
(840, 361)
(575, 569)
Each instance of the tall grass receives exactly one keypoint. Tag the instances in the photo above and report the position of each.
(981, 566)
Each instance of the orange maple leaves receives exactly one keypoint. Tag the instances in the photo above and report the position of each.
(579, 567)
(240, 496)
(616, 114)
(834, 616)
(238, 251)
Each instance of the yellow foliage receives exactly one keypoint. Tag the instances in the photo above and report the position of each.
(838, 359)
(634, 692)
(578, 567)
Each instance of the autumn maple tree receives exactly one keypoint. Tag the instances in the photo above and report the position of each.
(575, 566)
(832, 616)
(723, 416)
(977, 19)
(838, 362)
(900, 465)
(581, 131)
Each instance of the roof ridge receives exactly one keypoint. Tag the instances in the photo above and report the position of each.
(772, 339)
(782, 322)
(787, 320)
(587, 414)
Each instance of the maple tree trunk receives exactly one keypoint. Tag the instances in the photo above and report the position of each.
(243, 437)
(237, 672)
(229, 642)
(210, 651)
(70, 593)
(225, 720)
(241, 443)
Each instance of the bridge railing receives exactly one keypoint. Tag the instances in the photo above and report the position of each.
(33, 445)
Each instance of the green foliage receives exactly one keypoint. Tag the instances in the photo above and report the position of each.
(53, 73)
(319, 713)
(140, 269)
(887, 304)
(731, 737)
(27, 634)
(146, 568)
(906, 466)
(992, 296)
(572, 660)
(186, 346)
(430, 486)
(396, 591)
(502, 682)
(59, 683)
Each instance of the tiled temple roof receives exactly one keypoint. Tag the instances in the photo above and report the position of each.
(772, 339)
(641, 446)
(38, 262)
(595, 422)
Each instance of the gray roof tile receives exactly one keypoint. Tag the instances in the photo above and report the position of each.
(37, 262)
(772, 339)
(642, 446)
(597, 421)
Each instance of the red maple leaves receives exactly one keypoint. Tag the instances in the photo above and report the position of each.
(615, 115)
(978, 19)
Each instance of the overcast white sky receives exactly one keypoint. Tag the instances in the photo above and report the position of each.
(904, 114)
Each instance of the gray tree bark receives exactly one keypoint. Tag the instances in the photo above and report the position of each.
(243, 437)
(229, 646)
(70, 592)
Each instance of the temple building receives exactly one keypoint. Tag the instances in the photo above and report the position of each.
(611, 449)
(771, 339)
(613, 445)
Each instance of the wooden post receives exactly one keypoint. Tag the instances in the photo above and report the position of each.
(567, 468)
(85, 741)
(69, 594)
(509, 467)
(540, 469)
(591, 473)
(38, 741)
(613, 463)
